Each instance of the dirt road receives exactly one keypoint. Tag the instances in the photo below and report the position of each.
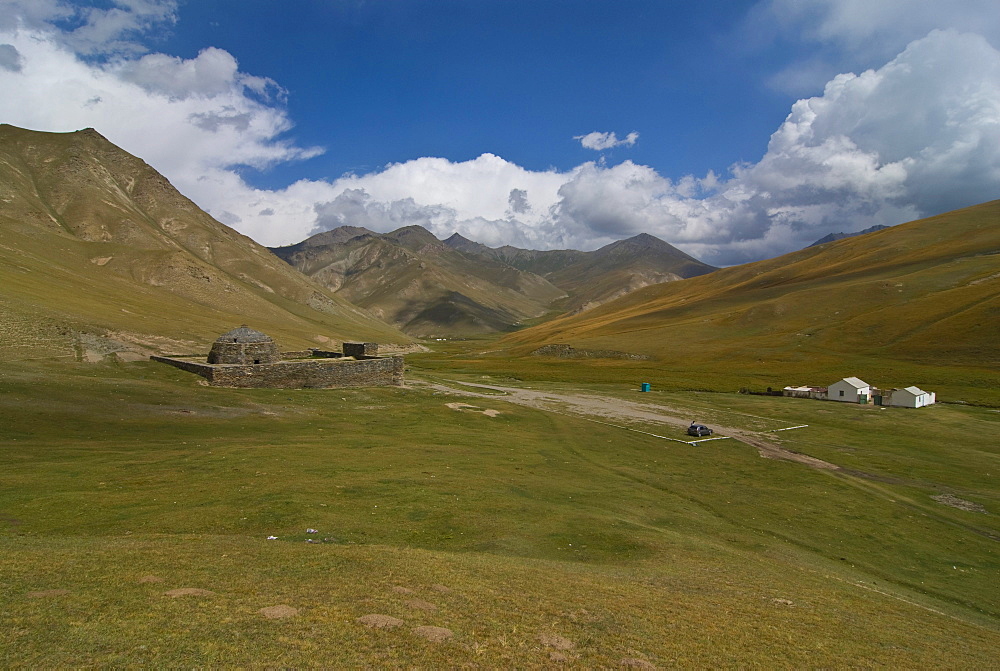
(610, 410)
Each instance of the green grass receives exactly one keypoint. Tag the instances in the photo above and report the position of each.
(538, 523)
(915, 304)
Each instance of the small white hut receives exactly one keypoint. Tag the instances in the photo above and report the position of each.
(911, 397)
(850, 390)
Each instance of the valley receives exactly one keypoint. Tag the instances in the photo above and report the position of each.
(518, 502)
(512, 530)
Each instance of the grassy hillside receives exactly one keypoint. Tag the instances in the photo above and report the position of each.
(535, 538)
(98, 252)
(916, 304)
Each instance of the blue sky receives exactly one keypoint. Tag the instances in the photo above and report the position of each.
(733, 130)
(383, 82)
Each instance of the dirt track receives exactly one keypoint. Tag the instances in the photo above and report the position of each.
(610, 409)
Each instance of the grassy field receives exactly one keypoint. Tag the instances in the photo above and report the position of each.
(914, 304)
(534, 538)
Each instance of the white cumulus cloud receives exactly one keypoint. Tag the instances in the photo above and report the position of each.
(600, 141)
(847, 35)
(90, 30)
(916, 136)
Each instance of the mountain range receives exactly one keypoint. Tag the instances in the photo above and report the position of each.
(428, 287)
(99, 254)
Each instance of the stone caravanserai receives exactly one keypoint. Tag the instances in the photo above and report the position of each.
(245, 357)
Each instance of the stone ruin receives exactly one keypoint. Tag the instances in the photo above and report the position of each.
(244, 357)
(243, 345)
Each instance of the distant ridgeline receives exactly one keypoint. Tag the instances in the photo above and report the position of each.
(432, 288)
(840, 236)
(244, 357)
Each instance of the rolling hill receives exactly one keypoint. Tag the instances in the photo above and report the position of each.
(918, 303)
(100, 254)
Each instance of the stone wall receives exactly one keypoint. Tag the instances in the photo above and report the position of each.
(203, 369)
(316, 373)
(360, 350)
(298, 354)
(323, 354)
(240, 353)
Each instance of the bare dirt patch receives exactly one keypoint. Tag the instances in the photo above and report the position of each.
(441, 588)
(278, 612)
(188, 591)
(402, 590)
(434, 634)
(47, 593)
(961, 504)
(465, 407)
(636, 663)
(556, 641)
(376, 621)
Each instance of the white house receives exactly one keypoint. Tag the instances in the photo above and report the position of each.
(850, 390)
(910, 397)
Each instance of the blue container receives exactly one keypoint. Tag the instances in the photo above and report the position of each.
(645, 386)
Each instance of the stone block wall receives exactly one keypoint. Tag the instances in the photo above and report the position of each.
(316, 373)
(203, 369)
(239, 352)
(298, 354)
(324, 354)
(360, 350)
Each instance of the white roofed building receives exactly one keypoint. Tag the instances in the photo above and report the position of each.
(910, 397)
(850, 390)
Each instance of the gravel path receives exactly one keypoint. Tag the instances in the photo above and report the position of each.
(610, 409)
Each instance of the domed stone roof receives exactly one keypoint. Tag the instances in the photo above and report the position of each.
(244, 346)
(244, 334)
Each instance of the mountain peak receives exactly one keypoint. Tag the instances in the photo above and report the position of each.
(456, 239)
(463, 244)
(336, 236)
(840, 236)
(412, 237)
(638, 244)
(646, 240)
